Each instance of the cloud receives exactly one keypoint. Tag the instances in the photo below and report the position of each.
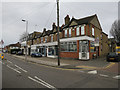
(43, 14)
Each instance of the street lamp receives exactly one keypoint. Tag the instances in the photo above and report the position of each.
(26, 38)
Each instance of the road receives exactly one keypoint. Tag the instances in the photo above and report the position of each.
(17, 73)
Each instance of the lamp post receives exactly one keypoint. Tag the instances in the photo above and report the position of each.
(26, 38)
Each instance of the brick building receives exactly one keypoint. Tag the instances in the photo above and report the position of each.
(79, 39)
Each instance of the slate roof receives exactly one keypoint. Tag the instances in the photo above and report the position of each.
(80, 21)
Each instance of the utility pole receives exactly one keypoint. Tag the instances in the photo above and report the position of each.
(58, 33)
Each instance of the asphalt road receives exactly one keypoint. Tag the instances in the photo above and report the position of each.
(17, 73)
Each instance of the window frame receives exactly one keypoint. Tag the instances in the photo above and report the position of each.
(82, 30)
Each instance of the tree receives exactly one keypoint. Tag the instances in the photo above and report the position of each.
(115, 30)
(23, 35)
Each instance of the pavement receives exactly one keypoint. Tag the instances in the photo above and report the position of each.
(93, 64)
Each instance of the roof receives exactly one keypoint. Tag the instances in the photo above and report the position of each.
(80, 21)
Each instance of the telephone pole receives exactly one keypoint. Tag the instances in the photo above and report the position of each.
(58, 33)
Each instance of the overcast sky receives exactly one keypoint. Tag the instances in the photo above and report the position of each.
(42, 14)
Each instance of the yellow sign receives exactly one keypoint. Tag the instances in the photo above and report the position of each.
(92, 47)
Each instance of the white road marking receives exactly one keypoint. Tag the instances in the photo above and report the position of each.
(117, 77)
(93, 72)
(39, 82)
(103, 75)
(20, 68)
(9, 61)
(13, 69)
(44, 82)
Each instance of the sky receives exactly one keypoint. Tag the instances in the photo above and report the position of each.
(42, 15)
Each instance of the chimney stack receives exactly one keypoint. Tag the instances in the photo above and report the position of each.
(67, 19)
(53, 26)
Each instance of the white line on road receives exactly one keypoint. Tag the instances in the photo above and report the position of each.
(20, 68)
(40, 82)
(117, 77)
(9, 61)
(13, 69)
(44, 82)
(103, 75)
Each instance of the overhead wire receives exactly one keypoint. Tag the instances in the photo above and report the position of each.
(14, 21)
(50, 15)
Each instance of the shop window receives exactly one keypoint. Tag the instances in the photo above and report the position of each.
(77, 31)
(66, 33)
(69, 46)
(52, 50)
(82, 30)
(72, 46)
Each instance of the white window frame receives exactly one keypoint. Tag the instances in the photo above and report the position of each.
(93, 31)
(45, 39)
(83, 30)
(70, 32)
(51, 38)
(77, 31)
(65, 32)
(41, 39)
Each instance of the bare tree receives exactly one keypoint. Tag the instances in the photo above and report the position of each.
(115, 30)
(23, 35)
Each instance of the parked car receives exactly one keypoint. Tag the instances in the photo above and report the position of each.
(19, 53)
(113, 56)
(36, 54)
(13, 52)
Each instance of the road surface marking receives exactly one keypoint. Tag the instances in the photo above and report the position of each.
(93, 72)
(110, 65)
(103, 75)
(39, 82)
(44, 82)
(20, 68)
(117, 77)
(9, 61)
(13, 69)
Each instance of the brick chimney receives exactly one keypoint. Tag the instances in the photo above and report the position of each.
(67, 19)
(53, 26)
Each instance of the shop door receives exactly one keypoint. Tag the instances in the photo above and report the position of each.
(83, 52)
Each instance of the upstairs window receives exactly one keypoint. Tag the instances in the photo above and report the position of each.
(69, 32)
(93, 31)
(41, 39)
(82, 30)
(51, 38)
(66, 33)
(77, 31)
(45, 39)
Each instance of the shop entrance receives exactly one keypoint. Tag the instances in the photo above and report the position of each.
(83, 50)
